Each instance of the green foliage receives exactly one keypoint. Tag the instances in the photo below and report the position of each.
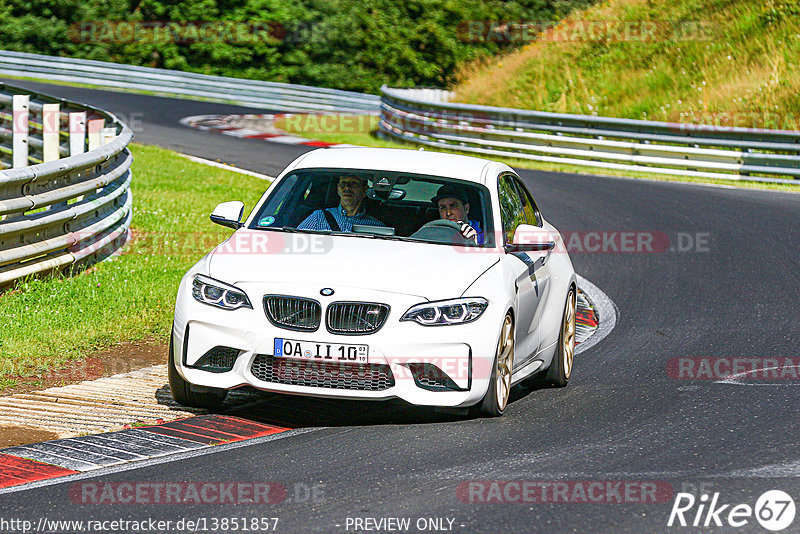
(347, 44)
(774, 12)
(715, 62)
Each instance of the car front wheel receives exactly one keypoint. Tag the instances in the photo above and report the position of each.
(496, 398)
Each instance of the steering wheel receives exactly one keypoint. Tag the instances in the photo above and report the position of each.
(443, 230)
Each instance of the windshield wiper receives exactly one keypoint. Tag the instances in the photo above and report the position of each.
(278, 228)
(293, 230)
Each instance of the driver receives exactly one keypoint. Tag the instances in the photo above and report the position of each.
(453, 204)
(351, 190)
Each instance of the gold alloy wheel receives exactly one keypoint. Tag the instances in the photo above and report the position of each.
(505, 359)
(568, 335)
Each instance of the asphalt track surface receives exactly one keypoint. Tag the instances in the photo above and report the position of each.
(622, 418)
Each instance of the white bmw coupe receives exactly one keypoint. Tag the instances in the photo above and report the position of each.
(366, 273)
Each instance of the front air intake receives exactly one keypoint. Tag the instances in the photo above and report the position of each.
(430, 377)
(329, 375)
(217, 360)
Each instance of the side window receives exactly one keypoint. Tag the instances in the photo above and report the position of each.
(511, 211)
(528, 205)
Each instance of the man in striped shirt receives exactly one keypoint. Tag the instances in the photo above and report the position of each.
(352, 191)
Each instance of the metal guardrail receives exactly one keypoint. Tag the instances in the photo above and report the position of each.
(253, 93)
(425, 117)
(54, 214)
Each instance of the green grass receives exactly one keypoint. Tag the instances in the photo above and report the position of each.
(725, 63)
(722, 62)
(46, 322)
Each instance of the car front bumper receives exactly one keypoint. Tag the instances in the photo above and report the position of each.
(463, 353)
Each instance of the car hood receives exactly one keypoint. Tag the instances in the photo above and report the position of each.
(429, 271)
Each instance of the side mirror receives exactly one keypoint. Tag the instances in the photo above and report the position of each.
(228, 214)
(529, 238)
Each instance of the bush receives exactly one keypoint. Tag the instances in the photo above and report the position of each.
(346, 44)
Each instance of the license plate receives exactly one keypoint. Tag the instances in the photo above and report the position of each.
(326, 352)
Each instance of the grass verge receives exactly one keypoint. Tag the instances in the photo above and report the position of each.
(718, 62)
(47, 322)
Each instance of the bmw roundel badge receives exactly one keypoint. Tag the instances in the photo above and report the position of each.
(326, 292)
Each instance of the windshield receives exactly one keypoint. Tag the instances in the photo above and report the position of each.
(381, 204)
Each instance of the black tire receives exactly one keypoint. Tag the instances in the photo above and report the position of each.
(183, 394)
(492, 405)
(557, 375)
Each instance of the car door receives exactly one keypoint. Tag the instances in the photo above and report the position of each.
(539, 263)
(523, 267)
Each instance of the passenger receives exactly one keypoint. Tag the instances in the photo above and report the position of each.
(453, 204)
(352, 191)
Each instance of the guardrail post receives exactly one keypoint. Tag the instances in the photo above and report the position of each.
(50, 126)
(94, 127)
(77, 139)
(107, 135)
(49, 225)
(19, 130)
(77, 133)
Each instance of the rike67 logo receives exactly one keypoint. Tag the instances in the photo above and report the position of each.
(774, 510)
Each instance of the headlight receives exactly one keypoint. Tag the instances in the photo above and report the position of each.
(219, 294)
(455, 311)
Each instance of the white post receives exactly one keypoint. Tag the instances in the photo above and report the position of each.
(95, 126)
(107, 135)
(77, 133)
(19, 130)
(77, 137)
(50, 125)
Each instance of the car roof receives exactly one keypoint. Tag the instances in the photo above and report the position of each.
(401, 160)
